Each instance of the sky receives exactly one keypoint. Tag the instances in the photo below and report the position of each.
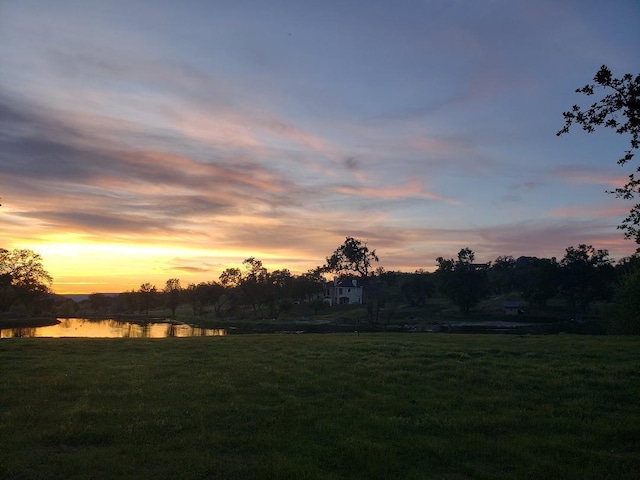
(148, 140)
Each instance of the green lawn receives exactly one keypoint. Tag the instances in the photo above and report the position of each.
(321, 406)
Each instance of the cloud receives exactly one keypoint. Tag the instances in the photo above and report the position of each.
(546, 239)
(351, 163)
(581, 174)
(517, 190)
(604, 212)
(181, 268)
(418, 247)
(412, 189)
(70, 178)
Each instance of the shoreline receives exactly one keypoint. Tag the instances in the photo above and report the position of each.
(28, 322)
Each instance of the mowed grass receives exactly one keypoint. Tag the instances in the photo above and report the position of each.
(321, 406)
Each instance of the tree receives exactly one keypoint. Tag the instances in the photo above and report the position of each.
(463, 281)
(250, 286)
(100, 303)
(231, 277)
(173, 293)
(214, 294)
(230, 280)
(308, 286)
(502, 274)
(586, 274)
(619, 110)
(417, 287)
(382, 299)
(279, 292)
(253, 284)
(126, 302)
(66, 308)
(191, 296)
(537, 279)
(146, 297)
(353, 256)
(204, 294)
(7, 295)
(22, 278)
(627, 319)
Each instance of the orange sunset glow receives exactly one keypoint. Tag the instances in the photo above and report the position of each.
(151, 141)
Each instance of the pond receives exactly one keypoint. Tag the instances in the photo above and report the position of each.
(85, 328)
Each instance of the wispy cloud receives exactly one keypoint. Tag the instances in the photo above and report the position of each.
(576, 211)
(412, 189)
(590, 175)
(517, 192)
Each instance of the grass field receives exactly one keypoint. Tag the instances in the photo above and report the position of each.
(321, 406)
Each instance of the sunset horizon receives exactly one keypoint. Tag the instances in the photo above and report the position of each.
(153, 141)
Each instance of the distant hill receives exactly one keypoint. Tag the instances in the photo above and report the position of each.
(78, 297)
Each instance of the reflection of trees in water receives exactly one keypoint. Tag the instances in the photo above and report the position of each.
(172, 330)
(65, 323)
(72, 322)
(184, 330)
(113, 323)
(112, 328)
(23, 332)
(134, 330)
(125, 329)
(146, 330)
(208, 332)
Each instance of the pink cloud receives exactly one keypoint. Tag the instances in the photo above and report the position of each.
(593, 212)
(590, 175)
(412, 189)
(294, 134)
(220, 128)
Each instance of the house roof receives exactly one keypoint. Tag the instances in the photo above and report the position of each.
(345, 282)
(511, 304)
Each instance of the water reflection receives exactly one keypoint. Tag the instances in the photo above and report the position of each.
(85, 328)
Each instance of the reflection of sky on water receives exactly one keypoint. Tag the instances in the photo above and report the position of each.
(84, 328)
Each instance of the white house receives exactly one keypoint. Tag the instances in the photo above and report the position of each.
(343, 292)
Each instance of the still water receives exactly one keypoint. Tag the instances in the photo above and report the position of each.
(85, 328)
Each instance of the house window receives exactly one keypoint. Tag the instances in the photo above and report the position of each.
(339, 291)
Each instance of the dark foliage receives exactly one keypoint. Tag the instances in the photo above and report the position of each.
(464, 282)
(619, 110)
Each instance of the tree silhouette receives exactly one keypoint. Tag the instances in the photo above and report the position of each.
(619, 110)
(146, 297)
(463, 281)
(353, 256)
(586, 274)
(173, 292)
(22, 278)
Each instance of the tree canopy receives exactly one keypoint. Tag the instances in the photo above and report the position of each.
(586, 274)
(353, 256)
(463, 281)
(618, 109)
(22, 277)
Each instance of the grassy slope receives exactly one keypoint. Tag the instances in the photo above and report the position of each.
(321, 406)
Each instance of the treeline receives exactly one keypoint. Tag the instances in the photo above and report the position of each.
(583, 276)
(250, 292)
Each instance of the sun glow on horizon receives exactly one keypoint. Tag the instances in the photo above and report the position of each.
(89, 267)
(83, 267)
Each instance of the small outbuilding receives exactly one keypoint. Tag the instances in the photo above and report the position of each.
(512, 307)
